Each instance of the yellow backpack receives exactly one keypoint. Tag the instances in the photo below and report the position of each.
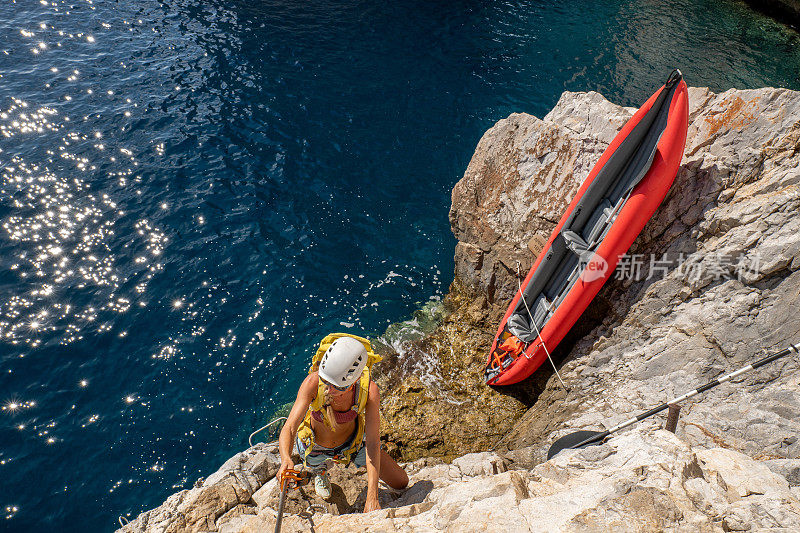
(305, 433)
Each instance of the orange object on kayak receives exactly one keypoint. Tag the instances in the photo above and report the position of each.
(512, 347)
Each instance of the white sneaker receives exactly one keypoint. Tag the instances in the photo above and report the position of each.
(322, 485)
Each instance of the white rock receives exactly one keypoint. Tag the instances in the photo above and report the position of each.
(739, 476)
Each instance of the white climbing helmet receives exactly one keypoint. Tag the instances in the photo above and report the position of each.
(343, 362)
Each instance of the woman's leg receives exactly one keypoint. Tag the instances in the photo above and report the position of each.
(392, 473)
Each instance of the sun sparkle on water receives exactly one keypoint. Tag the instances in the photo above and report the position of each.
(63, 227)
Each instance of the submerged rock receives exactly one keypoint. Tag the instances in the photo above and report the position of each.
(448, 411)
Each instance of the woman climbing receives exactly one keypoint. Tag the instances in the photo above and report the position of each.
(335, 418)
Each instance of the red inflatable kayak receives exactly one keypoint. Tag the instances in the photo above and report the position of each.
(609, 211)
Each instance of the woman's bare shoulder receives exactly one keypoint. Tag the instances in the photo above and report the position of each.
(309, 385)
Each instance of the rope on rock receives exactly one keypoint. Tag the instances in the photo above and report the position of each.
(519, 285)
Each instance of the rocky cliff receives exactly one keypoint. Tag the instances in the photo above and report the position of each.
(711, 283)
(644, 480)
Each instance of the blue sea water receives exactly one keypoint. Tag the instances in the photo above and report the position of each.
(194, 192)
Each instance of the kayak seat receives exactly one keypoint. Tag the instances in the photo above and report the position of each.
(597, 222)
(520, 325)
(559, 281)
(541, 310)
(575, 242)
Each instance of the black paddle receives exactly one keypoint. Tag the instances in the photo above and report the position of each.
(583, 438)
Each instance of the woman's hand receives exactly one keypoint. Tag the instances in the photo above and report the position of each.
(372, 505)
(286, 440)
(286, 464)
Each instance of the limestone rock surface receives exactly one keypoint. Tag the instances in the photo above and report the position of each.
(227, 492)
(644, 480)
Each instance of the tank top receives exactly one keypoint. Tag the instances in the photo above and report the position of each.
(342, 417)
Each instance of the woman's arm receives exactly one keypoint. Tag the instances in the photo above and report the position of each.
(372, 430)
(306, 394)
